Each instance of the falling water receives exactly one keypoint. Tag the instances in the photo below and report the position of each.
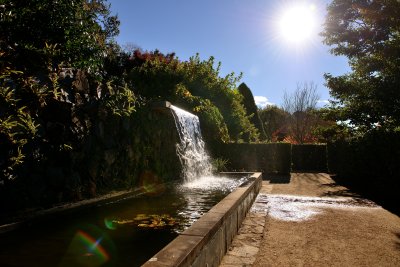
(194, 158)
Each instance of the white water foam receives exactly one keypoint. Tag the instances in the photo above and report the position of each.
(191, 149)
(301, 208)
(215, 182)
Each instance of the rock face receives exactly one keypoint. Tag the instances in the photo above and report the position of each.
(120, 151)
(110, 153)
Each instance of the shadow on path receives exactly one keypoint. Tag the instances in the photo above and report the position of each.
(398, 241)
(339, 191)
(277, 178)
(387, 198)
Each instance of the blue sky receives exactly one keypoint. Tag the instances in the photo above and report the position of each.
(244, 36)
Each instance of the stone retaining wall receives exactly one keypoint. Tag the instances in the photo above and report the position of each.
(207, 240)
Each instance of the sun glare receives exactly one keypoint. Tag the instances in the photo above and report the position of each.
(297, 24)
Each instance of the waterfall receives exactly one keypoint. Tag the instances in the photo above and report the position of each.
(191, 149)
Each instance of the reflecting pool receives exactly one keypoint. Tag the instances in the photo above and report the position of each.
(123, 233)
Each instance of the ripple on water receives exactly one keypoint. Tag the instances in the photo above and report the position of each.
(207, 183)
(201, 194)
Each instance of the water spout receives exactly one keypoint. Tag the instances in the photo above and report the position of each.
(191, 149)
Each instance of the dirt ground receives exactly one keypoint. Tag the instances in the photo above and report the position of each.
(354, 235)
(313, 222)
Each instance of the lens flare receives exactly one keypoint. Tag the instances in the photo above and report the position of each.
(110, 224)
(89, 246)
(93, 247)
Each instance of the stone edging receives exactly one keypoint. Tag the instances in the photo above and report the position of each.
(208, 239)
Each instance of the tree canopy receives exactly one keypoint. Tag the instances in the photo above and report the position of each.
(368, 34)
(77, 30)
(251, 108)
(197, 86)
(274, 120)
(52, 55)
(75, 109)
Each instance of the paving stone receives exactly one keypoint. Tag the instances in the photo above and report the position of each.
(246, 244)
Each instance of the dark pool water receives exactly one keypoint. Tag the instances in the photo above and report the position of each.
(123, 233)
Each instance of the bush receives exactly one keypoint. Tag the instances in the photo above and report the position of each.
(377, 154)
(268, 158)
(370, 163)
(198, 86)
(251, 109)
(309, 157)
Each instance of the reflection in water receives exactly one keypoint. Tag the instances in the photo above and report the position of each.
(124, 233)
(301, 208)
(151, 183)
(203, 193)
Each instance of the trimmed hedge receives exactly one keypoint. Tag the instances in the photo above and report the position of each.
(377, 154)
(309, 157)
(370, 164)
(268, 158)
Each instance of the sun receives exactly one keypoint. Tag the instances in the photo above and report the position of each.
(297, 24)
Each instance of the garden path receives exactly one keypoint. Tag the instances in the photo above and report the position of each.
(306, 219)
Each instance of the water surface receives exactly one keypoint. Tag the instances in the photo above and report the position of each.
(110, 234)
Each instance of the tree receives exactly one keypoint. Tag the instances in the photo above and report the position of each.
(196, 85)
(368, 34)
(251, 108)
(155, 75)
(52, 55)
(327, 129)
(202, 79)
(300, 105)
(80, 30)
(273, 119)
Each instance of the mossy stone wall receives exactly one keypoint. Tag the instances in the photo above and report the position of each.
(117, 153)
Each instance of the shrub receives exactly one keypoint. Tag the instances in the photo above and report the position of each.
(309, 157)
(268, 158)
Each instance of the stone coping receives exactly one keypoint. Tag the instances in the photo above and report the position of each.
(207, 240)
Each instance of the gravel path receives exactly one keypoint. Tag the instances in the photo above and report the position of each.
(310, 221)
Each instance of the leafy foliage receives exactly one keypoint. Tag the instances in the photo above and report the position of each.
(309, 157)
(251, 109)
(220, 164)
(367, 32)
(369, 163)
(17, 127)
(155, 75)
(203, 80)
(197, 86)
(328, 130)
(121, 102)
(56, 87)
(73, 104)
(268, 158)
(274, 121)
(80, 29)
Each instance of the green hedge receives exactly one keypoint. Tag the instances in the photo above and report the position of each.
(377, 154)
(268, 158)
(370, 164)
(309, 157)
